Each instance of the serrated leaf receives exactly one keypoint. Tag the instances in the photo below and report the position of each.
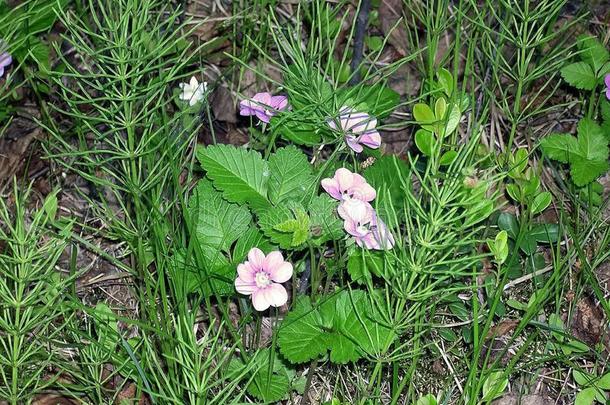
(583, 172)
(592, 52)
(253, 237)
(299, 227)
(269, 385)
(559, 146)
(240, 174)
(300, 336)
(218, 223)
(325, 225)
(291, 176)
(579, 75)
(270, 218)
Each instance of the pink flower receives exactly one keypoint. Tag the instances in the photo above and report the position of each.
(359, 129)
(259, 277)
(362, 222)
(5, 60)
(607, 81)
(345, 185)
(263, 105)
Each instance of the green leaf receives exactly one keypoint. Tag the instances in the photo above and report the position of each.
(494, 386)
(379, 98)
(424, 116)
(452, 120)
(298, 132)
(604, 382)
(445, 80)
(541, 202)
(325, 225)
(427, 400)
(269, 385)
(447, 158)
(215, 275)
(579, 75)
(270, 218)
(559, 146)
(425, 141)
(363, 263)
(218, 223)
(253, 237)
(291, 176)
(508, 222)
(592, 52)
(240, 174)
(585, 397)
(546, 233)
(301, 337)
(583, 379)
(499, 247)
(592, 158)
(298, 227)
(388, 172)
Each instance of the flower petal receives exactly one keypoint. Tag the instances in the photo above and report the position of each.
(256, 257)
(344, 178)
(279, 102)
(259, 300)
(246, 272)
(352, 142)
(364, 192)
(281, 273)
(371, 139)
(607, 80)
(263, 116)
(276, 295)
(331, 186)
(244, 287)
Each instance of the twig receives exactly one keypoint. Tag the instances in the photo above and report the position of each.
(527, 277)
(361, 23)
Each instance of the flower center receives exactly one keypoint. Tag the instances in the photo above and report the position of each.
(363, 229)
(262, 279)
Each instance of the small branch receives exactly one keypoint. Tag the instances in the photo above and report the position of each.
(361, 23)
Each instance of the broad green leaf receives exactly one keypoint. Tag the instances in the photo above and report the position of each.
(583, 172)
(269, 385)
(379, 98)
(452, 120)
(298, 132)
(253, 237)
(604, 382)
(592, 159)
(325, 225)
(440, 107)
(546, 233)
(215, 275)
(218, 223)
(445, 79)
(541, 202)
(389, 172)
(559, 146)
(583, 379)
(447, 158)
(579, 75)
(494, 386)
(508, 222)
(425, 141)
(499, 247)
(363, 263)
(424, 116)
(585, 397)
(291, 176)
(241, 174)
(427, 400)
(300, 336)
(592, 52)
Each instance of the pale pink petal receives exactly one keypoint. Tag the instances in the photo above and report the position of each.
(244, 287)
(352, 142)
(279, 102)
(357, 122)
(273, 260)
(364, 192)
(383, 237)
(607, 93)
(246, 272)
(331, 186)
(371, 139)
(263, 116)
(607, 80)
(193, 82)
(365, 124)
(256, 257)
(259, 300)
(275, 295)
(355, 210)
(331, 123)
(344, 178)
(369, 241)
(281, 273)
(262, 98)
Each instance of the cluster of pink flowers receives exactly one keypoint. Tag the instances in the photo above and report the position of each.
(360, 219)
(359, 129)
(263, 106)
